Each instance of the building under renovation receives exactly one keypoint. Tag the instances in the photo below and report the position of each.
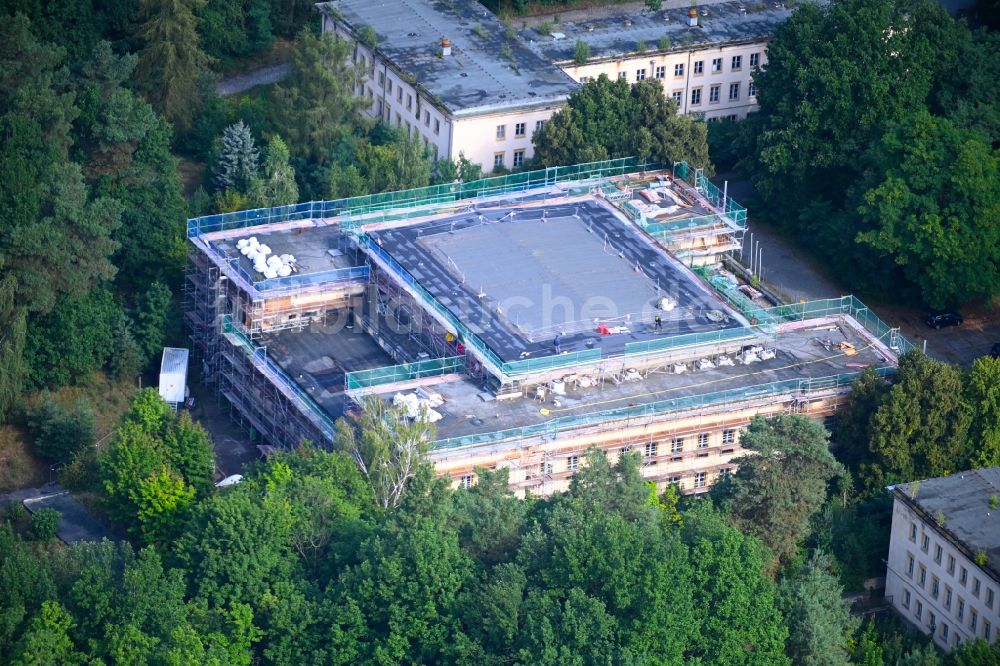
(530, 317)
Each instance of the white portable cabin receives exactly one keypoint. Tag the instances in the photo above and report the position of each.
(173, 376)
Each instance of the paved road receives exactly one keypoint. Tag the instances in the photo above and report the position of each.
(75, 525)
(259, 77)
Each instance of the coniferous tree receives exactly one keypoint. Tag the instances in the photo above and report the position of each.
(171, 59)
(237, 159)
(13, 322)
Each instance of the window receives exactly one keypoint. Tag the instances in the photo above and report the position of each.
(973, 620)
(754, 59)
(427, 118)
(622, 75)
(519, 129)
(925, 543)
(944, 631)
(539, 124)
(923, 575)
(381, 79)
(518, 158)
(437, 126)
(650, 449)
(737, 63)
(584, 79)
(572, 463)
(751, 89)
(676, 480)
(677, 445)
(716, 65)
(501, 132)
(399, 119)
(963, 577)
(399, 94)
(679, 69)
(677, 96)
(713, 94)
(906, 598)
(920, 610)
(545, 468)
(909, 565)
(640, 74)
(661, 71)
(937, 553)
(960, 611)
(728, 436)
(696, 96)
(947, 598)
(913, 532)
(389, 86)
(931, 621)
(498, 160)
(699, 66)
(699, 479)
(409, 102)
(975, 587)
(989, 597)
(726, 473)
(734, 91)
(465, 481)
(986, 629)
(624, 449)
(935, 586)
(703, 440)
(951, 565)
(379, 108)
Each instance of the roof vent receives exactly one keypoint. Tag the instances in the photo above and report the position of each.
(693, 18)
(445, 46)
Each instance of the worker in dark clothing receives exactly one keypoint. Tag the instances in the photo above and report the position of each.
(557, 343)
(657, 323)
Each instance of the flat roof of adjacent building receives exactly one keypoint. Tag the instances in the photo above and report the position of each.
(518, 278)
(963, 501)
(486, 70)
(616, 36)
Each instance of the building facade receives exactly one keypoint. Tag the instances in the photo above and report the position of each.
(464, 83)
(943, 569)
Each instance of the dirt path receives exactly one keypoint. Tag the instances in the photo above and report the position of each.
(258, 77)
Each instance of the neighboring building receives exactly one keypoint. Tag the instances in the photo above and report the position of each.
(449, 74)
(943, 571)
(524, 311)
(705, 57)
(461, 81)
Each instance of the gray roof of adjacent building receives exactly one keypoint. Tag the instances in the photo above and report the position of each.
(961, 506)
(489, 69)
(630, 34)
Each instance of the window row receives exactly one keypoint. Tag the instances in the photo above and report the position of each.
(652, 449)
(989, 598)
(500, 160)
(520, 130)
(697, 68)
(985, 629)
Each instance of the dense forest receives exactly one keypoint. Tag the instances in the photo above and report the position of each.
(877, 145)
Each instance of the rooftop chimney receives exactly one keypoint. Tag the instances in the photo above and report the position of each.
(693, 18)
(445, 46)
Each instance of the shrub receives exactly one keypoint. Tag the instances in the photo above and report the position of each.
(581, 53)
(44, 524)
(59, 432)
(545, 28)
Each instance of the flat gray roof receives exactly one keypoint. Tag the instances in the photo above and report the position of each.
(520, 277)
(728, 22)
(963, 500)
(486, 71)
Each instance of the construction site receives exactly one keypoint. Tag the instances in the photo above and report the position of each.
(529, 317)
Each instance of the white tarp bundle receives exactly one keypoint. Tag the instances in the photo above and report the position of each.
(173, 374)
(417, 407)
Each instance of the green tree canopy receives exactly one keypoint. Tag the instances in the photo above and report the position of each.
(820, 624)
(609, 119)
(782, 483)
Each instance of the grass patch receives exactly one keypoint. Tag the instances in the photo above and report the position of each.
(20, 468)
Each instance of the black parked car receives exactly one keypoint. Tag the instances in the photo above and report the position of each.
(943, 319)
